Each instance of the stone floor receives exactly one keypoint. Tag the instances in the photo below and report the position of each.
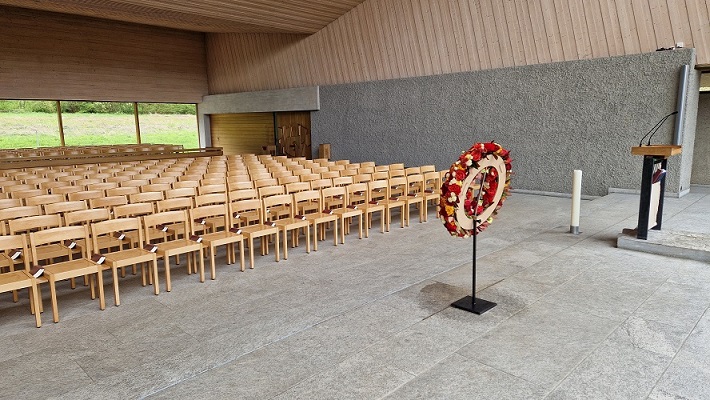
(370, 319)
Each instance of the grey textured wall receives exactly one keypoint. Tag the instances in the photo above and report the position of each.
(554, 118)
(701, 155)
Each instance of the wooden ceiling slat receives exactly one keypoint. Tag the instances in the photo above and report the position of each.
(239, 16)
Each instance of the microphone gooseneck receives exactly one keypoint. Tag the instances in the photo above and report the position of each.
(655, 129)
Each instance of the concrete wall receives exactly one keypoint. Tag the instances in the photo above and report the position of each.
(553, 117)
(701, 154)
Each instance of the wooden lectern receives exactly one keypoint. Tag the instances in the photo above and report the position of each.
(652, 193)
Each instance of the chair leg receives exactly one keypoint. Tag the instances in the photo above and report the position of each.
(212, 268)
(285, 244)
(202, 264)
(251, 252)
(100, 284)
(241, 254)
(360, 226)
(156, 282)
(35, 304)
(117, 300)
(315, 237)
(53, 293)
(166, 262)
(308, 239)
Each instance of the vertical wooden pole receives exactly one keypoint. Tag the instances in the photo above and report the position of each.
(61, 124)
(138, 123)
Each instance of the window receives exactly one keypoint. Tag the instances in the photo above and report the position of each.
(25, 123)
(98, 123)
(169, 124)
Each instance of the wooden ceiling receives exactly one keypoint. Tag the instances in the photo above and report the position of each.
(240, 16)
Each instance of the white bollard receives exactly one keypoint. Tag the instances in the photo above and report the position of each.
(576, 200)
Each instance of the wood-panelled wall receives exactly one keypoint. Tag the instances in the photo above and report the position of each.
(242, 133)
(57, 56)
(384, 39)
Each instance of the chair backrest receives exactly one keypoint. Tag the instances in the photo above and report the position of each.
(284, 201)
(393, 173)
(362, 178)
(85, 217)
(309, 177)
(169, 180)
(85, 195)
(267, 191)
(181, 192)
(297, 187)
(243, 194)
(397, 186)
(321, 183)
(135, 183)
(25, 194)
(186, 184)
(43, 199)
(306, 199)
(219, 188)
(33, 223)
(334, 197)
(113, 226)
(378, 190)
(357, 193)
(102, 186)
(156, 187)
(108, 202)
(152, 221)
(123, 191)
(145, 197)
(59, 235)
(260, 183)
(343, 181)
(242, 207)
(415, 184)
(11, 243)
(11, 213)
(211, 198)
(330, 174)
(432, 181)
(212, 181)
(288, 179)
(177, 203)
(427, 168)
(65, 206)
(201, 213)
(133, 210)
(8, 203)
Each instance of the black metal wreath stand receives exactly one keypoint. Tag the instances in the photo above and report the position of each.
(471, 303)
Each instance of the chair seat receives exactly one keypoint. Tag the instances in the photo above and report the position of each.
(15, 280)
(347, 212)
(128, 257)
(220, 238)
(292, 223)
(259, 230)
(71, 269)
(178, 246)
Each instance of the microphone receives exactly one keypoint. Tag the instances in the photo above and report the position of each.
(655, 129)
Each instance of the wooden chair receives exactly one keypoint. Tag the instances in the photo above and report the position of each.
(304, 202)
(11, 213)
(395, 198)
(70, 269)
(118, 257)
(415, 196)
(167, 248)
(335, 198)
(358, 195)
(378, 194)
(252, 229)
(16, 279)
(286, 221)
(212, 238)
(432, 191)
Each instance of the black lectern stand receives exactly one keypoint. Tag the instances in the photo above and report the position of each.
(652, 156)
